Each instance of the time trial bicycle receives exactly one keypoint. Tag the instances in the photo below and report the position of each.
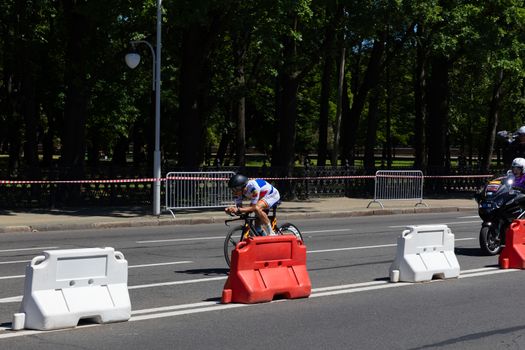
(243, 231)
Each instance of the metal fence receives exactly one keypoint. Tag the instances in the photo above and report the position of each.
(196, 190)
(398, 185)
(306, 182)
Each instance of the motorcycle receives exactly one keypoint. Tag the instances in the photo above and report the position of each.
(499, 203)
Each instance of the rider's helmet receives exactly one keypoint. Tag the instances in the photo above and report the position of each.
(518, 163)
(238, 181)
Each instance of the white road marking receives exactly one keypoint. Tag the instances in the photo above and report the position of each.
(486, 273)
(15, 299)
(13, 262)
(162, 284)
(219, 278)
(174, 307)
(490, 270)
(320, 231)
(129, 267)
(368, 247)
(161, 264)
(217, 306)
(182, 239)
(469, 217)
(442, 223)
(139, 286)
(350, 248)
(194, 308)
(223, 237)
(480, 269)
(23, 249)
(344, 286)
(11, 277)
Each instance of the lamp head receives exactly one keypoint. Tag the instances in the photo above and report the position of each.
(132, 59)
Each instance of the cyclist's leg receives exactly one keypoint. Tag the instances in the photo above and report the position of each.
(258, 227)
(262, 207)
(262, 217)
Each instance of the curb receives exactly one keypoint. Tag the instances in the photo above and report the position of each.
(217, 219)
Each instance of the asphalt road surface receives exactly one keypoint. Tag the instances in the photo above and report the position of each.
(176, 276)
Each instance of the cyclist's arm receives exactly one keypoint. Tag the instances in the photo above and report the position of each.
(233, 209)
(248, 209)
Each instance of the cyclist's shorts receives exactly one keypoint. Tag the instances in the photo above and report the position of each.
(272, 198)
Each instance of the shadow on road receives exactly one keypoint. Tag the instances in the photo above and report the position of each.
(454, 342)
(352, 265)
(207, 272)
(469, 251)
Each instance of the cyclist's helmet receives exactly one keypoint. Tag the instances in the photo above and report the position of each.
(521, 131)
(237, 181)
(518, 163)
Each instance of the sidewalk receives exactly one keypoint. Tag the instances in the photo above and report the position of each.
(33, 220)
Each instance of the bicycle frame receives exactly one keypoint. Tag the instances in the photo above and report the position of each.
(249, 223)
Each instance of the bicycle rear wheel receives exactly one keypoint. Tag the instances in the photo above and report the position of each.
(291, 229)
(232, 238)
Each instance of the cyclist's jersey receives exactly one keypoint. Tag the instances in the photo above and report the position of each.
(256, 190)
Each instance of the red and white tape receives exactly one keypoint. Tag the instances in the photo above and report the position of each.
(16, 182)
(190, 178)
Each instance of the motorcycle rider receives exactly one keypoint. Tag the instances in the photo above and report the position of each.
(262, 196)
(517, 169)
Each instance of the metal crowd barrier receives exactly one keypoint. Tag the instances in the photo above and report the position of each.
(398, 185)
(195, 190)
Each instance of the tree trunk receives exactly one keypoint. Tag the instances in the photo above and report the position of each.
(388, 114)
(371, 131)
(340, 90)
(29, 107)
(370, 80)
(76, 99)
(284, 152)
(437, 97)
(494, 112)
(193, 89)
(326, 80)
(239, 53)
(220, 157)
(120, 151)
(420, 111)
(31, 116)
(137, 135)
(326, 83)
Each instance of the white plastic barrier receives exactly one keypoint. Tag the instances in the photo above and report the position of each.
(65, 286)
(424, 252)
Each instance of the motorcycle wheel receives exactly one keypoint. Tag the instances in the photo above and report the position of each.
(489, 241)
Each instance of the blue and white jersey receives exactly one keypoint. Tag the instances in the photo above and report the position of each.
(256, 190)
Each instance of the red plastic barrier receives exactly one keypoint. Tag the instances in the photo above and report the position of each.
(513, 255)
(265, 267)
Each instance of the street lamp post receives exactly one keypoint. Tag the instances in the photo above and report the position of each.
(132, 60)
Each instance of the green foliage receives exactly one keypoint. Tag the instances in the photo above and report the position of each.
(478, 38)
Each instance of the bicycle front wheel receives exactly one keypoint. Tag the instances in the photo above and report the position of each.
(291, 229)
(232, 238)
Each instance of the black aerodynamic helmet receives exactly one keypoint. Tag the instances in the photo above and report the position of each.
(237, 181)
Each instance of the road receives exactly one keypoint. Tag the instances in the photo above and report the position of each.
(176, 275)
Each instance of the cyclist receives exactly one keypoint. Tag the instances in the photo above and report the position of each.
(262, 196)
(518, 166)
